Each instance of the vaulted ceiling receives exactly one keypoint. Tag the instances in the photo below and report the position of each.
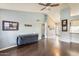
(53, 12)
(30, 7)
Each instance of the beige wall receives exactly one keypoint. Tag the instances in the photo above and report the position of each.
(51, 23)
(51, 28)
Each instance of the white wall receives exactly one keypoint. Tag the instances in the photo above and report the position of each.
(8, 38)
(74, 16)
(75, 36)
(71, 14)
(65, 14)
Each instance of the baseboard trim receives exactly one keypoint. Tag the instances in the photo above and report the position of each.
(64, 41)
(7, 47)
(11, 47)
(69, 41)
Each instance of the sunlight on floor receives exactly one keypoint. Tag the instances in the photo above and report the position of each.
(57, 42)
(56, 51)
(73, 53)
(56, 47)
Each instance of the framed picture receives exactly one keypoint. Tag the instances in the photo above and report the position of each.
(64, 25)
(10, 25)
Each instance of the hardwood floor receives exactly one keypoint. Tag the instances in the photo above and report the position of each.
(43, 48)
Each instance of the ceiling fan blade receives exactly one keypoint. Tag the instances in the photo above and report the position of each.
(43, 8)
(54, 5)
(48, 4)
(42, 4)
(45, 4)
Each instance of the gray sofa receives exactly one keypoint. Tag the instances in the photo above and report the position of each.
(27, 39)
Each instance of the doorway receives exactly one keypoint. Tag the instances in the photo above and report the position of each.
(43, 31)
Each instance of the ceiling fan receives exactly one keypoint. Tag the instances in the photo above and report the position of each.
(48, 5)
